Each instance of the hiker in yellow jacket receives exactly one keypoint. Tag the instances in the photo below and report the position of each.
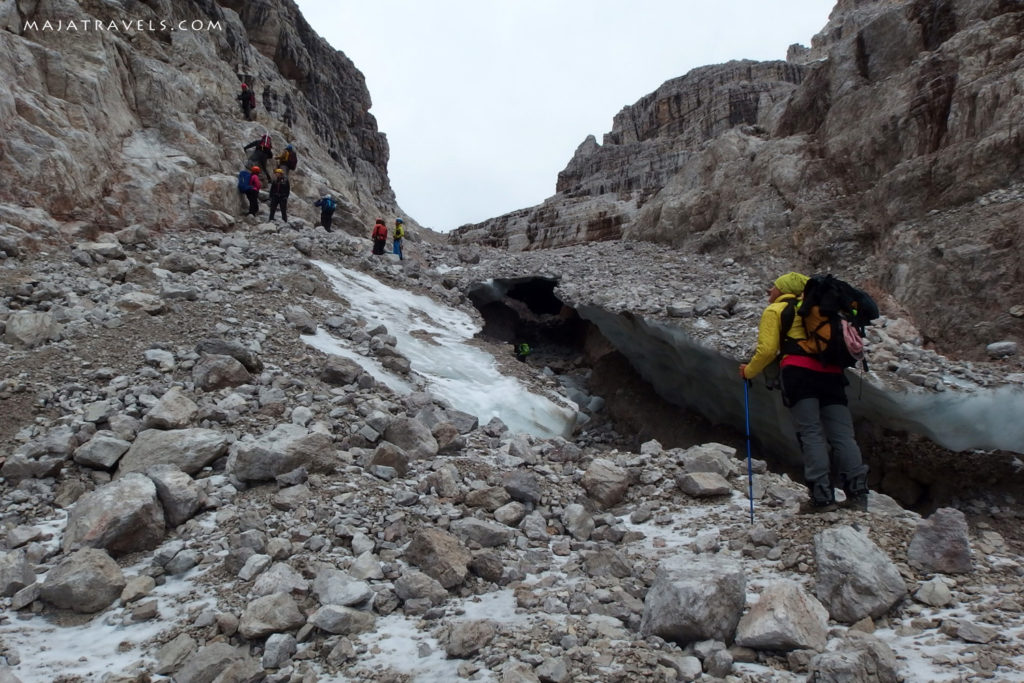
(399, 235)
(815, 393)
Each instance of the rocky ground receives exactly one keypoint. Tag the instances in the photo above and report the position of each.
(304, 515)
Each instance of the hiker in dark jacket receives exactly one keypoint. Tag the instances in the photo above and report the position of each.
(279, 191)
(247, 100)
(327, 206)
(253, 193)
(815, 393)
(261, 153)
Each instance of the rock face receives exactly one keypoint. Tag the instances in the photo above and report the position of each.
(147, 116)
(897, 133)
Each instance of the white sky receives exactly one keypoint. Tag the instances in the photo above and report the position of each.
(485, 101)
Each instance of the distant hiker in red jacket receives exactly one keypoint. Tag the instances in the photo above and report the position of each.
(379, 236)
(247, 100)
(253, 193)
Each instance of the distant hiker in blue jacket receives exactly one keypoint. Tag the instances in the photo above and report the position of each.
(327, 206)
(399, 235)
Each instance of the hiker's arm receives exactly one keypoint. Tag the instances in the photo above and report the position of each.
(767, 343)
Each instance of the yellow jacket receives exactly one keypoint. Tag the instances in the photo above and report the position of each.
(768, 335)
(399, 231)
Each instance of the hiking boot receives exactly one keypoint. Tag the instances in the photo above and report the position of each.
(811, 507)
(857, 502)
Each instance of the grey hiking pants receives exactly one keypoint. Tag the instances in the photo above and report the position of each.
(817, 404)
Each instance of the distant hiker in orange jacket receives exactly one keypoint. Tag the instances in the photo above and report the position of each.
(287, 160)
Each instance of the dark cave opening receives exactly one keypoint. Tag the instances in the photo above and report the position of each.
(907, 468)
(527, 309)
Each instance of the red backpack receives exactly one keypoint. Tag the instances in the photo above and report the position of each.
(264, 143)
(380, 231)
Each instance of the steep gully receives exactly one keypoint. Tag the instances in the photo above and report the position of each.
(656, 382)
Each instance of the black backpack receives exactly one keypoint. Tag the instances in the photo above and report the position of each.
(835, 314)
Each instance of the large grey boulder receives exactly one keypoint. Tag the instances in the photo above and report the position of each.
(340, 620)
(179, 494)
(785, 618)
(855, 657)
(86, 581)
(855, 578)
(465, 639)
(335, 587)
(43, 456)
(174, 410)
(190, 450)
(481, 532)
(213, 372)
(412, 436)
(285, 448)
(274, 613)
(694, 598)
(15, 572)
(29, 329)
(279, 578)
(415, 585)
(710, 457)
(440, 555)
(605, 482)
(941, 544)
(223, 347)
(122, 517)
(215, 660)
(102, 451)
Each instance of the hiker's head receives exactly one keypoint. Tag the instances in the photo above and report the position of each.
(398, 221)
(790, 283)
(288, 147)
(255, 169)
(245, 87)
(277, 170)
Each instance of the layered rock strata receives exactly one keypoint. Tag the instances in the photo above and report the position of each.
(115, 116)
(890, 154)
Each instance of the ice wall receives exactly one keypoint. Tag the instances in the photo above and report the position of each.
(688, 374)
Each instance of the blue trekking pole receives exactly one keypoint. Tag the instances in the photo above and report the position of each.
(750, 469)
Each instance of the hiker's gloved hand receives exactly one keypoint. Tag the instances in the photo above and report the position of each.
(743, 370)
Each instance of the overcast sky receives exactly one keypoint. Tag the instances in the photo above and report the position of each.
(484, 101)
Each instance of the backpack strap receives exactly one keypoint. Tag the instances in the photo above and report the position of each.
(786, 318)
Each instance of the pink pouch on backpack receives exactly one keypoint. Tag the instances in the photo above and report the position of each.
(854, 343)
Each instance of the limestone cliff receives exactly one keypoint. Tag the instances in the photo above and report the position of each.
(117, 113)
(889, 151)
